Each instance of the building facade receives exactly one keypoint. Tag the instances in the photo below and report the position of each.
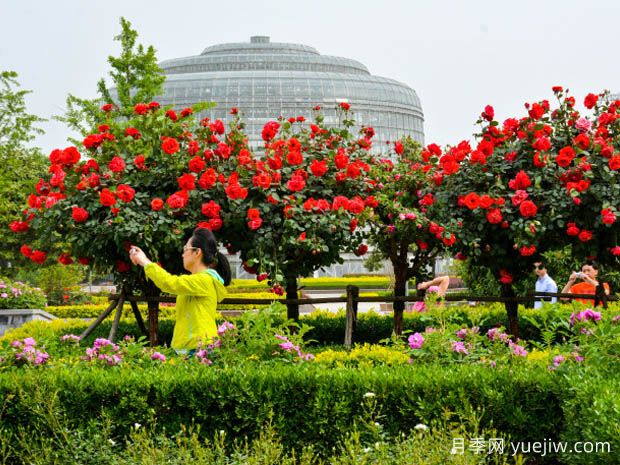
(265, 80)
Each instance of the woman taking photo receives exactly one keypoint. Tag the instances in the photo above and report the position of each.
(197, 293)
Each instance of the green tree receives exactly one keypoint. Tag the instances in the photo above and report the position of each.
(22, 165)
(135, 78)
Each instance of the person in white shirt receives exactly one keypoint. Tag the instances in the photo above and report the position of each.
(544, 283)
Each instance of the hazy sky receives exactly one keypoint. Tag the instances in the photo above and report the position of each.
(458, 55)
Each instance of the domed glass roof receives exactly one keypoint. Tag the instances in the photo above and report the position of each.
(265, 80)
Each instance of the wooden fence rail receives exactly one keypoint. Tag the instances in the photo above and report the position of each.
(351, 301)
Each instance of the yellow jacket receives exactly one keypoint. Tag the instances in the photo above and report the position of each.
(197, 298)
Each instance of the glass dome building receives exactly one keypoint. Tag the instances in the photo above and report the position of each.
(265, 80)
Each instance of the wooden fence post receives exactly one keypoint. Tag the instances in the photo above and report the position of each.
(353, 293)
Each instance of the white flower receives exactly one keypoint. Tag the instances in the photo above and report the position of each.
(369, 394)
(137, 425)
(112, 442)
(420, 427)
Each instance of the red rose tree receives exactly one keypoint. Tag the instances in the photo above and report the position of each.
(408, 226)
(534, 184)
(295, 209)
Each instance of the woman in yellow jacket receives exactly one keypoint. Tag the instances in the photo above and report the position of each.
(197, 293)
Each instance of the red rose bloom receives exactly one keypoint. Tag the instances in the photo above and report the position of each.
(187, 182)
(185, 112)
(494, 216)
(341, 160)
(117, 164)
(244, 157)
(471, 201)
(157, 204)
(519, 197)
(296, 184)
(38, 257)
(235, 191)
(356, 205)
(572, 229)
(361, 250)
(505, 277)
(294, 158)
(26, 251)
(171, 114)
(608, 215)
(521, 181)
(133, 132)
(528, 208)
(614, 163)
(590, 101)
(488, 113)
(318, 168)
(139, 162)
(177, 200)
(215, 224)
(107, 198)
(526, 251)
(565, 157)
(92, 141)
(140, 109)
(615, 250)
(211, 209)
(125, 193)
(79, 214)
(65, 259)
(345, 106)
(107, 107)
(254, 224)
(353, 225)
(585, 235)
(19, 226)
(208, 179)
(170, 145)
(398, 147)
(270, 130)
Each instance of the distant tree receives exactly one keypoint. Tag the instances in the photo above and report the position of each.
(21, 165)
(135, 77)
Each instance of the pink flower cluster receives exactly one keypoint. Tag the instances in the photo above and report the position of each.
(288, 346)
(105, 351)
(26, 352)
(70, 338)
(226, 326)
(585, 315)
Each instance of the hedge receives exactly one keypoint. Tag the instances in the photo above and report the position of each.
(307, 404)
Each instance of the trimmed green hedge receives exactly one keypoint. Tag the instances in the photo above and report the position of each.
(309, 405)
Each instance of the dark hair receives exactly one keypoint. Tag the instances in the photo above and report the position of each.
(593, 263)
(203, 239)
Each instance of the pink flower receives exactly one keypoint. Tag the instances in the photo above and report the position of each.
(459, 348)
(461, 333)
(583, 124)
(416, 340)
(158, 356)
(419, 306)
(557, 360)
(518, 350)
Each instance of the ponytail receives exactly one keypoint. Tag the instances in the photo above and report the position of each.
(223, 268)
(204, 240)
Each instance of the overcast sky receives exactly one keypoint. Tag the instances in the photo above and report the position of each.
(458, 55)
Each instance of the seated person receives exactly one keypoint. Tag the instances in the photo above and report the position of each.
(588, 285)
(442, 282)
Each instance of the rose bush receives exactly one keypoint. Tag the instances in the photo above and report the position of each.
(408, 226)
(535, 184)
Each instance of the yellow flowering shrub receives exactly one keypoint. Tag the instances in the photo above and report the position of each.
(365, 355)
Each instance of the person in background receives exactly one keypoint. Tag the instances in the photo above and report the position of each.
(442, 282)
(544, 283)
(590, 284)
(197, 293)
